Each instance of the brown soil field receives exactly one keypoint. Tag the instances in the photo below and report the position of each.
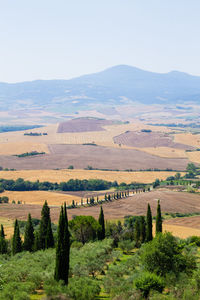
(136, 205)
(80, 156)
(83, 125)
(148, 139)
(65, 175)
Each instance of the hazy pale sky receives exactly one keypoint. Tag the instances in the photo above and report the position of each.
(54, 39)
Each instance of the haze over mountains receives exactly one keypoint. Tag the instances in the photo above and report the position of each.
(118, 85)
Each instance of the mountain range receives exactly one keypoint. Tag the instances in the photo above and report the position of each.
(118, 85)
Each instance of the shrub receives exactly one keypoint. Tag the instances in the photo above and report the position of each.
(83, 288)
(149, 282)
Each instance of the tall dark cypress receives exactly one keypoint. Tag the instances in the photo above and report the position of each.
(29, 235)
(2, 234)
(142, 229)
(62, 248)
(158, 219)
(149, 235)
(101, 234)
(45, 217)
(16, 241)
(3, 242)
(137, 231)
(49, 236)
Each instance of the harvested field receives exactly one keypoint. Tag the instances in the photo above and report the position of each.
(191, 222)
(166, 152)
(8, 226)
(82, 156)
(39, 197)
(148, 139)
(65, 175)
(22, 147)
(194, 156)
(181, 231)
(188, 139)
(136, 205)
(83, 125)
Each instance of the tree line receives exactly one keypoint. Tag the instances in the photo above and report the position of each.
(71, 185)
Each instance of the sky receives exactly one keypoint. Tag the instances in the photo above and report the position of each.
(62, 39)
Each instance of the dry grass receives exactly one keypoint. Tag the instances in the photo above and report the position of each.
(188, 139)
(194, 156)
(39, 197)
(65, 175)
(22, 147)
(8, 226)
(166, 152)
(180, 231)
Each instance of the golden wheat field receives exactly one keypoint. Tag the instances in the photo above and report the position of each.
(65, 175)
(8, 226)
(188, 139)
(39, 197)
(166, 152)
(181, 231)
(22, 147)
(194, 156)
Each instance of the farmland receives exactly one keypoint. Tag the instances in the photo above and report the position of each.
(65, 175)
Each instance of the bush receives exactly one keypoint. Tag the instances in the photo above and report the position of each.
(149, 282)
(83, 288)
(164, 255)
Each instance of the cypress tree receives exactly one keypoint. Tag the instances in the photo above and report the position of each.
(149, 236)
(101, 234)
(49, 237)
(2, 234)
(16, 241)
(36, 245)
(62, 248)
(158, 219)
(45, 217)
(137, 231)
(29, 235)
(142, 229)
(3, 242)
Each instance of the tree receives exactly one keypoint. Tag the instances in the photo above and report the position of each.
(49, 241)
(149, 224)
(164, 255)
(62, 248)
(16, 240)
(3, 242)
(142, 229)
(158, 219)
(137, 231)
(29, 235)
(84, 228)
(148, 282)
(101, 233)
(45, 219)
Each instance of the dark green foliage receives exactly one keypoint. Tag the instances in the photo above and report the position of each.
(158, 219)
(137, 231)
(32, 153)
(156, 183)
(4, 199)
(142, 229)
(148, 282)
(49, 237)
(163, 255)
(101, 233)
(16, 240)
(36, 245)
(62, 248)
(29, 235)
(84, 228)
(3, 242)
(45, 219)
(149, 235)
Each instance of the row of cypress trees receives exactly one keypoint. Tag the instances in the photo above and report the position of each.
(149, 233)
(33, 241)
